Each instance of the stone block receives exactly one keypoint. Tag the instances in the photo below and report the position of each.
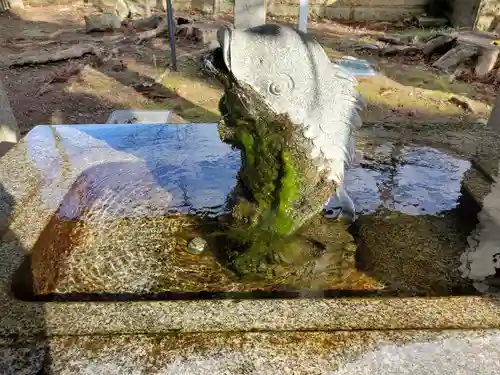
(438, 44)
(9, 131)
(283, 10)
(463, 12)
(206, 33)
(249, 13)
(264, 353)
(424, 21)
(358, 10)
(486, 62)
(452, 58)
(198, 32)
(133, 116)
(335, 13)
(385, 13)
(386, 3)
(321, 11)
(102, 22)
(182, 5)
(204, 6)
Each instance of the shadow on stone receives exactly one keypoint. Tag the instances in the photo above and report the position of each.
(28, 351)
(417, 255)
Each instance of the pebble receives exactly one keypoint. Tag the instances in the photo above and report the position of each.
(196, 245)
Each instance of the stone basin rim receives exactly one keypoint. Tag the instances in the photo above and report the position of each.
(79, 318)
(102, 318)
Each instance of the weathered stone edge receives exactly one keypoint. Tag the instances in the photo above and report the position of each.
(85, 318)
(80, 318)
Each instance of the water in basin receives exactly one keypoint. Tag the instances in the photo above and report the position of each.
(128, 199)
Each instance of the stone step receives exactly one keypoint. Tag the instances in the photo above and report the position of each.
(262, 353)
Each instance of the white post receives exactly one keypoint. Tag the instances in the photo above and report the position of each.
(303, 13)
(494, 119)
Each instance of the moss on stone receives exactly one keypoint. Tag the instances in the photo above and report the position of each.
(288, 194)
(248, 142)
(279, 186)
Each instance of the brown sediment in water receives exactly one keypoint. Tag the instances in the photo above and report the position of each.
(148, 255)
(414, 255)
(397, 255)
(47, 263)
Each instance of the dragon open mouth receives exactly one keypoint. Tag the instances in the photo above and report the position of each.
(213, 62)
(217, 62)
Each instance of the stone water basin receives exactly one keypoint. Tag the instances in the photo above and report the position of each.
(127, 199)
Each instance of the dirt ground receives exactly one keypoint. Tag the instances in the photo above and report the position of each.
(131, 75)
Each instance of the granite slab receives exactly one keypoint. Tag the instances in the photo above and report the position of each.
(236, 353)
(27, 205)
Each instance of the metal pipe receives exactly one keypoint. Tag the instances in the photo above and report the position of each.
(303, 13)
(171, 33)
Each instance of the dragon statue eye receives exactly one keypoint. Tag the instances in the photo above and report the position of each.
(275, 88)
(281, 84)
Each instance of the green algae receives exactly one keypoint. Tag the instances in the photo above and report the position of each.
(289, 192)
(279, 187)
(248, 142)
(264, 217)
